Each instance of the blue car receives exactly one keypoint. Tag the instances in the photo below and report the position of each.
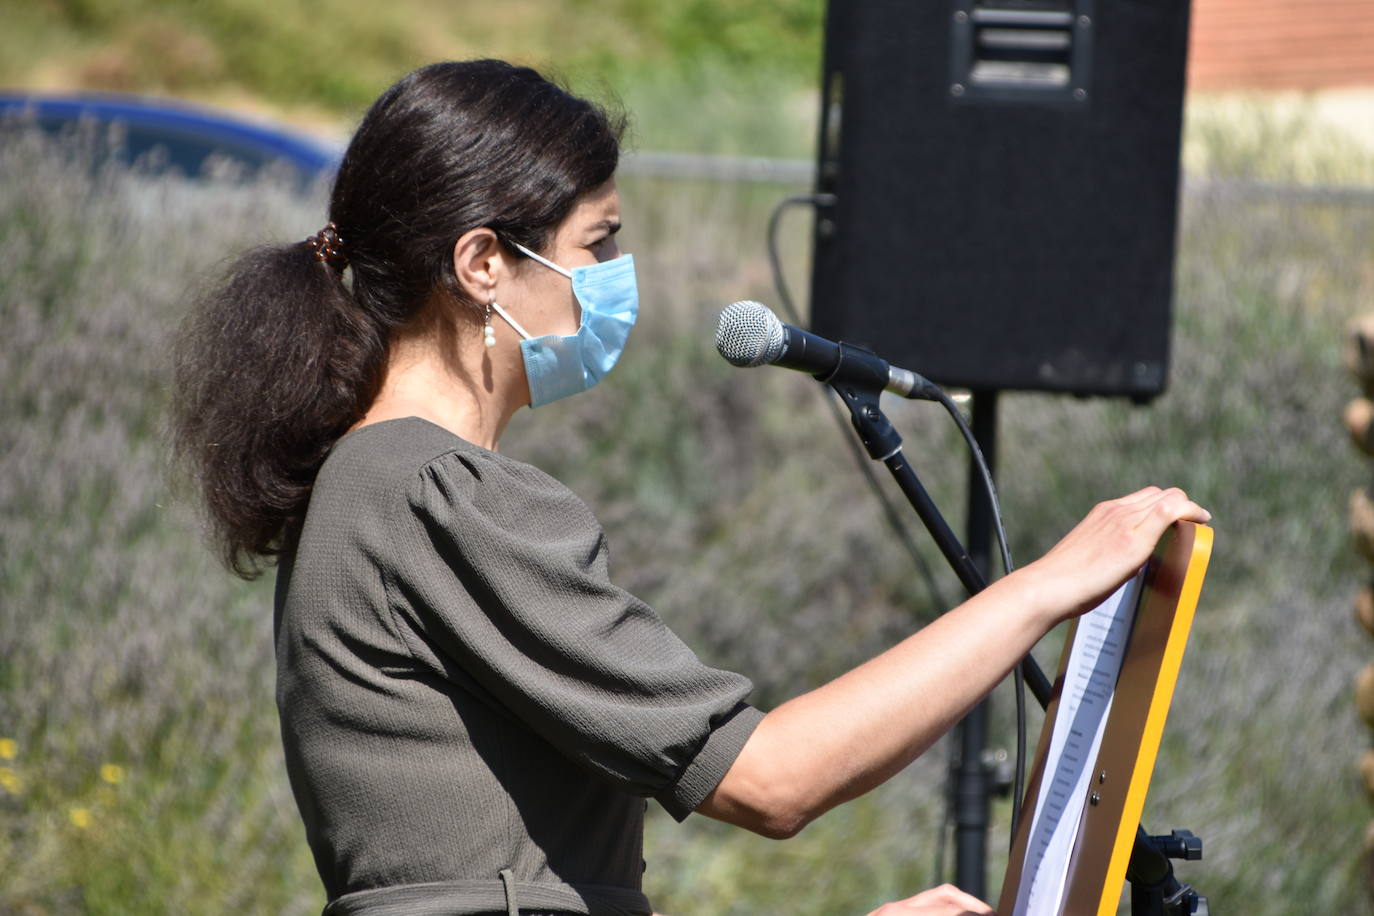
(186, 134)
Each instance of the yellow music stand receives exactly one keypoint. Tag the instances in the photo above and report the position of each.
(1111, 809)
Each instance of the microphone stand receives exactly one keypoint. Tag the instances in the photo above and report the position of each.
(1154, 889)
(883, 443)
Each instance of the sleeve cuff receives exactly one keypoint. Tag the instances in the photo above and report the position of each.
(710, 764)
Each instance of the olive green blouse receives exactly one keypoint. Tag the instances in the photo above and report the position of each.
(471, 712)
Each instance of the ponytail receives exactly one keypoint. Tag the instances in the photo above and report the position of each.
(272, 366)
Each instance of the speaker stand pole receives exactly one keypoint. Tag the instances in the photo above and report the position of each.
(970, 776)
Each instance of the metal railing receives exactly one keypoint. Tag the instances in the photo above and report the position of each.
(763, 170)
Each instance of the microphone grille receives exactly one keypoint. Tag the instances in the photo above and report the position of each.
(749, 334)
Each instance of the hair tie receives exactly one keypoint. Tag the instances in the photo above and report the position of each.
(328, 244)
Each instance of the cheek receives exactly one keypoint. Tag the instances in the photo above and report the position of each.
(558, 306)
(575, 310)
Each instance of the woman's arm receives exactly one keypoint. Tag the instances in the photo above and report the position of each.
(836, 742)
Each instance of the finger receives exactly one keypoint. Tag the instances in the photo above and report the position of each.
(953, 894)
(896, 908)
(907, 908)
(941, 909)
(947, 895)
(1138, 496)
(1168, 507)
(1189, 511)
(1153, 510)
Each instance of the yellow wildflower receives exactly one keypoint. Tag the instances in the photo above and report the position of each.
(112, 773)
(80, 817)
(9, 780)
(8, 748)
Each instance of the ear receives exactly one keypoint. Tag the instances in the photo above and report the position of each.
(479, 261)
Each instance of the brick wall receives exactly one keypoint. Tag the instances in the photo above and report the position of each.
(1281, 44)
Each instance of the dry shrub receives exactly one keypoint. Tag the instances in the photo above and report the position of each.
(732, 504)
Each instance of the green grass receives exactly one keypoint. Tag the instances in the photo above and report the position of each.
(327, 62)
(121, 643)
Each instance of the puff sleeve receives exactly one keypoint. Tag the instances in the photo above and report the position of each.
(505, 579)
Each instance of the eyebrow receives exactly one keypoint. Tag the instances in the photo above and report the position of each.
(612, 226)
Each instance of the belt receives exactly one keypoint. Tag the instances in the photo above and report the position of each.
(466, 898)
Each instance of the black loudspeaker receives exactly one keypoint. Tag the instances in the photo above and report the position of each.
(1005, 181)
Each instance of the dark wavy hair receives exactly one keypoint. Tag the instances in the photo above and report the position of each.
(281, 357)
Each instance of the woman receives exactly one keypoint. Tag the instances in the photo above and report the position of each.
(472, 712)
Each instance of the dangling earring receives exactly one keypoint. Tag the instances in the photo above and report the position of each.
(488, 333)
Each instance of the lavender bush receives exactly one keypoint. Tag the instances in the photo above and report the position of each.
(139, 761)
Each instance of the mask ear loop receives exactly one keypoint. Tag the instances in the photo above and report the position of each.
(509, 320)
(542, 260)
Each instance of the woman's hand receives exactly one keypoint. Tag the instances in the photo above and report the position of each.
(1105, 549)
(945, 900)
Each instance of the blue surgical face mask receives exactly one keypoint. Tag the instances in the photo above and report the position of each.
(559, 366)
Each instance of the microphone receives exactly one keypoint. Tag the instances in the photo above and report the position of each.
(749, 335)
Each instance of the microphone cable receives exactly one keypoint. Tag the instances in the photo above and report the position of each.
(894, 518)
(1018, 678)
